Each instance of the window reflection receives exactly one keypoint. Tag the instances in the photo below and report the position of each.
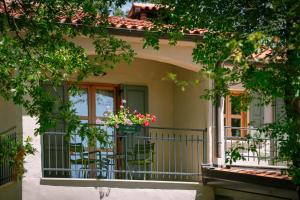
(104, 101)
(236, 123)
(80, 102)
(235, 106)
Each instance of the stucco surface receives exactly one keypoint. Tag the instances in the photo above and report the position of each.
(146, 73)
(98, 193)
(179, 55)
(8, 113)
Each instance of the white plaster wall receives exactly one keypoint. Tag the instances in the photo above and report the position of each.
(103, 193)
(173, 107)
(179, 55)
(8, 113)
(190, 111)
(147, 73)
(10, 117)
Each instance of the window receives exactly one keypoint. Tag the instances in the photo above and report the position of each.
(233, 116)
(93, 100)
(279, 112)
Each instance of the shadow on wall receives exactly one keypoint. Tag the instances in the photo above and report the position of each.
(103, 192)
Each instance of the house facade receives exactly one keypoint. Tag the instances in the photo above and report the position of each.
(163, 161)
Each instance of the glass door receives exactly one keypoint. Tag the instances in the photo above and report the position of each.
(90, 104)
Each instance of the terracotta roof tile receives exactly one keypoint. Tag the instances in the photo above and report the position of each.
(128, 23)
(122, 22)
(146, 6)
(261, 171)
(263, 54)
(267, 177)
(270, 173)
(115, 21)
(256, 172)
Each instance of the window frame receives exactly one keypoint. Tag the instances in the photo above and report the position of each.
(91, 90)
(228, 116)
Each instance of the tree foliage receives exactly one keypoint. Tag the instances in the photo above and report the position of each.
(14, 152)
(36, 50)
(253, 43)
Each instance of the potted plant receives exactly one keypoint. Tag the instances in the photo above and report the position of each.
(127, 121)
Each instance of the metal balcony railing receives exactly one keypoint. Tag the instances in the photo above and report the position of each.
(256, 147)
(6, 171)
(152, 153)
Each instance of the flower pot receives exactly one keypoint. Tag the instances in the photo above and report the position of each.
(129, 129)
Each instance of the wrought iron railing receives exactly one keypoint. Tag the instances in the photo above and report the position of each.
(152, 153)
(255, 147)
(6, 171)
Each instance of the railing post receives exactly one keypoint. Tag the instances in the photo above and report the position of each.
(42, 155)
(126, 159)
(205, 146)
(225, 143)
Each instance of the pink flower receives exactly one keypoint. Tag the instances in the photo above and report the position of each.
(123, 101)
(140, 116)
(146, 123)
(153, 119)
(98, 121)
(121, 106)
(117, 126)
(128, 122)
(148, 115)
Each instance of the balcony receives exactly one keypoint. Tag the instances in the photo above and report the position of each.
(154, 153)
(257, 148)
(6, 171)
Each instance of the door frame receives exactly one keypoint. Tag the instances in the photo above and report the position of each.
(91, 88)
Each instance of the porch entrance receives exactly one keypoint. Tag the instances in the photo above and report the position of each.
(154, 153)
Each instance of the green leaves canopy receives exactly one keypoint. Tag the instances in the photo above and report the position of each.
(253, 43)
(36, 49)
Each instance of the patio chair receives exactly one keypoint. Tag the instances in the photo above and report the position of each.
(83, 158)
(142, 155)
